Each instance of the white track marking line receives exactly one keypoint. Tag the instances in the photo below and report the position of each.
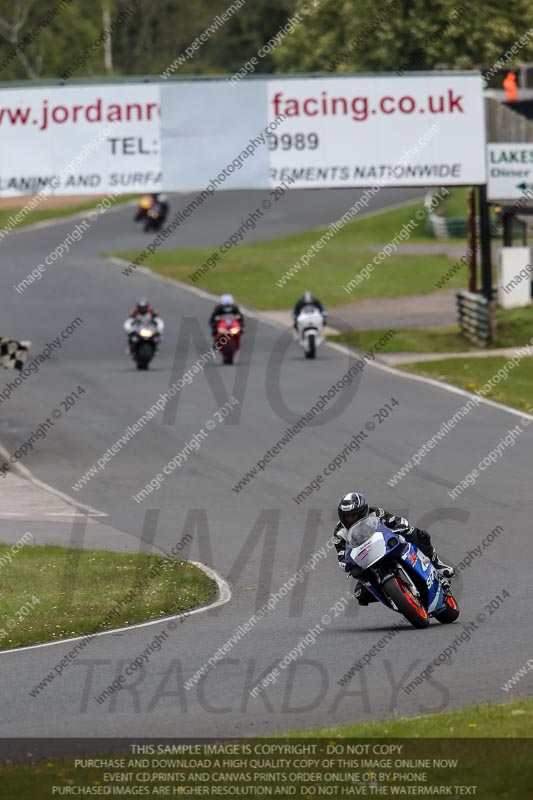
(71, 513)
(433, 382)
(224, 595)
(80, 508)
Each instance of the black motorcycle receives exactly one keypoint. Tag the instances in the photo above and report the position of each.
(143, 341)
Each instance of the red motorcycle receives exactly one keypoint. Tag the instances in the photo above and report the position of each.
(228, 337)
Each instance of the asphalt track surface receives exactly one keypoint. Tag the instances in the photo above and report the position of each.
(258, 538)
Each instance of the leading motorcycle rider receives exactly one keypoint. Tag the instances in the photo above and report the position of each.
(145, 312)
(352, 508)
(226, 306)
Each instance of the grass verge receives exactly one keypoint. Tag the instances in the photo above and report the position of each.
(508, 720)
(250, 274)
(251, 271)
(514, 328)
(51, 592)
(473, 373)
(491, 763)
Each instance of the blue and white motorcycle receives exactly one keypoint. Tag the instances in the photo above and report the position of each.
(398, 574)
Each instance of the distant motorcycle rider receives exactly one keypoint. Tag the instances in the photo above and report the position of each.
(308, 299)
(226, 307)
(145, 204)
(160, 204)
(154, 201)
(352, 508)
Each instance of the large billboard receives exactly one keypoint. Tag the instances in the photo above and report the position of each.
(415, 130)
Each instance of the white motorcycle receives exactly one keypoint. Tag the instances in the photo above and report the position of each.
(309, 330)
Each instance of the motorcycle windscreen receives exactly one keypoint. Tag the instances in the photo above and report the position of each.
(367, 544)
(362, 530)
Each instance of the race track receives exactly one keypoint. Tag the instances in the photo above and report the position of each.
(259, 537)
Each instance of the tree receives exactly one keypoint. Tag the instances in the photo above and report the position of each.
(358, 35)
(10, 31)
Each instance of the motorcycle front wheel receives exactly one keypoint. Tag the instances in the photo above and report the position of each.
(144, 355)
(227, 353)
(450, 612)
(311, 346)
(405, 601)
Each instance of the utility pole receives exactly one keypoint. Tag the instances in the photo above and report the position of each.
(484, 231)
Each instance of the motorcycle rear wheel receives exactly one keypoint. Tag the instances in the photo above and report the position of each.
(407, 604)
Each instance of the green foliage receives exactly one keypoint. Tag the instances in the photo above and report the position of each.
(146, 37)
(360, 35)
(332, 36)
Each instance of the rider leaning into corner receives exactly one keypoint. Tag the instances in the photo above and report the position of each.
(226, 307)
(308, 299)
(352, 508)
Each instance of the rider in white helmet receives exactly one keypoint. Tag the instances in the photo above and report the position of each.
(226, 306)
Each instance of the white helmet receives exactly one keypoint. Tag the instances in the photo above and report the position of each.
(227, 300)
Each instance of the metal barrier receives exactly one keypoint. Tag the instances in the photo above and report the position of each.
(475, 316)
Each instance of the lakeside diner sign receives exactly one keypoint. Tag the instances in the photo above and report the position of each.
(416, 130)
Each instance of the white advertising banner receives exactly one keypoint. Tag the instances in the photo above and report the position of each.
(414, 130)
(80, 139)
